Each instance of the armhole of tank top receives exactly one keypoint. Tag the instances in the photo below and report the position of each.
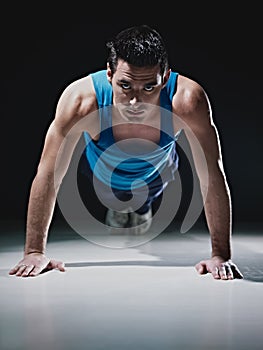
(98, 98)
(167, 128)
(177, 134)
(173, 88)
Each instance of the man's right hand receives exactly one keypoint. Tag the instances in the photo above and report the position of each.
(35, 263)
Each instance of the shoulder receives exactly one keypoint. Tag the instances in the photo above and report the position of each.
(190, 97)
(192, 108)
(78, 97)
(76, 102)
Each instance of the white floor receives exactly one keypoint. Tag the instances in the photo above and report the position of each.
(143, 297)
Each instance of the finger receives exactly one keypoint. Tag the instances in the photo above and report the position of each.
(229, 272)
(222, 272)
(20, 270)
(59, 265)
(13, 270)
(36, 271)
(215, 272)
(27, 270)
(201, 267)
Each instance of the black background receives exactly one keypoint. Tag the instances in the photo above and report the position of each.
(44, 49)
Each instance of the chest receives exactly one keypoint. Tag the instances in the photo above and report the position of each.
(138, 131)
(136, 137)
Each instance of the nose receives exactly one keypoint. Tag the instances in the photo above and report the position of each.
(134, 99)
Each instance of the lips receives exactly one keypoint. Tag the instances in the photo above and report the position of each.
(135, 112)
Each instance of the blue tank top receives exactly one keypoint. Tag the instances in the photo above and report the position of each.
(115, 167)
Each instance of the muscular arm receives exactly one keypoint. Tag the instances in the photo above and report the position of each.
(196, 114)
(43, 190)
(55, 158)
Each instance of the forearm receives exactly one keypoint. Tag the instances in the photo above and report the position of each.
(218, 213)
(40, 210)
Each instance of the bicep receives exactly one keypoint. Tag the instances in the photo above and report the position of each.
(208, 138)
(202, 135)
(57, 152)
(64, 131)
(75, 112)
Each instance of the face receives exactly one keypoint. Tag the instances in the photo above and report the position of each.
(136, 89)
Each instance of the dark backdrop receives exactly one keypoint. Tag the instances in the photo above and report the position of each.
(44, 49)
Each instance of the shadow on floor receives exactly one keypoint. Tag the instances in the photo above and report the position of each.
(251, 273)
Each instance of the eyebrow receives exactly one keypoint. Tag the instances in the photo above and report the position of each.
(128, 82)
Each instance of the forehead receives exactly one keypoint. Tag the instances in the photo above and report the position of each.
(126, 71)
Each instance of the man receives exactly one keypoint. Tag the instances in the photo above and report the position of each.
(137, 78)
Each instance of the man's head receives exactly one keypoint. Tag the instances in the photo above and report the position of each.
(140, 46)
(137, 69)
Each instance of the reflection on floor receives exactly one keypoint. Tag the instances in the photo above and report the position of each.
(147, 296)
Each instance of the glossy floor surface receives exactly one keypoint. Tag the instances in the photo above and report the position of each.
(143, 297)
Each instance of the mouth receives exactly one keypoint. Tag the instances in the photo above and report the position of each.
(138, 113)
(134, 112)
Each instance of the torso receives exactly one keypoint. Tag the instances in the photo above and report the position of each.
(149, 130)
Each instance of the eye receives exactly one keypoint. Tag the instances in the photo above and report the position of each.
(125, 86)
(148, 88)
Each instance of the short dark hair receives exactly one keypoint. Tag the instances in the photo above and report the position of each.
(139, 46)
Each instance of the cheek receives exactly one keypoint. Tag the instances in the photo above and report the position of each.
(119, 96)
(151, 98)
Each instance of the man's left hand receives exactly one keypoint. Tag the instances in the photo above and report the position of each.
(219, 268)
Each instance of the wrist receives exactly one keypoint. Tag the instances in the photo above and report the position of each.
(31, 251)
(222, 255)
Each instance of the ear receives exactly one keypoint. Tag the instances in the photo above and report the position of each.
(166, 77)
(109, 73)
